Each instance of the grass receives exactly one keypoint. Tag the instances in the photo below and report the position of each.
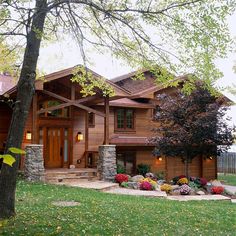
(106, 214)
(229, 179)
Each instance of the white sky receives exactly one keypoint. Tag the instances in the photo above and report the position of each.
(61, 55)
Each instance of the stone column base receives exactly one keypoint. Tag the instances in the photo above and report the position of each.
(107, 162)
(34, 163)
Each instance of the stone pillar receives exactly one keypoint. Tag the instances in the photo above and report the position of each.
(34, 163)
(107, 162)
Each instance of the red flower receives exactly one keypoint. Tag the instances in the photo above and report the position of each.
(203, 181)
(120, 178)
(217, 189)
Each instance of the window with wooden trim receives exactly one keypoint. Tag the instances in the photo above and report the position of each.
(91, 119)
(124, 119)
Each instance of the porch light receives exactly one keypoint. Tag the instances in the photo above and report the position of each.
(210, 157)
(80, 136)
(160, 159)
(28, 135)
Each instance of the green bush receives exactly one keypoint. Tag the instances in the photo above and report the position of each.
(142, 169)
(120, 169)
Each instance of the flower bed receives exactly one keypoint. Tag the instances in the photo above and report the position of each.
(180, 185)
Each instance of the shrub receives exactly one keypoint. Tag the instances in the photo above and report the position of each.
(120, 169)
(193, 186)
(176, 178)
(185, 189)
(145, 185)
(217, 189)
(160, 175)
(119, 178)
(124, 185)
(182, 181)
(166, 187)
(200, 182)
(143, 169)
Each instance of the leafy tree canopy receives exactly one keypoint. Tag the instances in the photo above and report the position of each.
(191, 125)
(183, 36)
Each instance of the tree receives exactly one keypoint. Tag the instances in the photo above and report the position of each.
(137, 31)
(191, 125)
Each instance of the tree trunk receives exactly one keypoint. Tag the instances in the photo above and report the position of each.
(25, 91)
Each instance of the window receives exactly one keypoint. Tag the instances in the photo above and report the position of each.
(126, 161)
(91, 119)
(124, 119)
(63, 113)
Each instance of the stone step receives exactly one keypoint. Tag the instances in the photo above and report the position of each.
(70, 174)
(72, 179)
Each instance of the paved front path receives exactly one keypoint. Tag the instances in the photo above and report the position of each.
(96, 184)
(134, 192)
(198, 198)
(231, 189)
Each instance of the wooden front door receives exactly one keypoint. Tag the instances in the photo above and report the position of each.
(56, 146)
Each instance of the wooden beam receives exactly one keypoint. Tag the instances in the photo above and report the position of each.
(55, 96)
(81, 100)
(106, 121)
(68, 103)
(54, 107)
(35, 119)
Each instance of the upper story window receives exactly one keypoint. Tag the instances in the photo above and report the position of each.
(91, 119)
(124, 119)
(62, 113)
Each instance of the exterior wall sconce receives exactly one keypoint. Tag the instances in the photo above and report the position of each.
(80, 137)
(159, 158)
(28, 135)
(210, 158)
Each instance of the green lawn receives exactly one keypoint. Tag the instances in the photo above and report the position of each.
(229, 179)
(106, 214)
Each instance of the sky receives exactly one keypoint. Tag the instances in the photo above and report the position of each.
(64, 54)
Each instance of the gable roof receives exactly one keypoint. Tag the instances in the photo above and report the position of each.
(119, 92)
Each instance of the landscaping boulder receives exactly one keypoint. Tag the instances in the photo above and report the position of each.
(216, 183)
(200, 192)
(161, 181)
(150, 175)
(137, 178)
(175, 187)
(133, 185)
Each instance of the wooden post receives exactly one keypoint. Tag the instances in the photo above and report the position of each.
(86, 138)
(35, 120)
(72, 91)
(106, 121)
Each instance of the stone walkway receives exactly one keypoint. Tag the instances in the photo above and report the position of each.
(198, 198)
(231, 189)
(96, 184)
(135, 192)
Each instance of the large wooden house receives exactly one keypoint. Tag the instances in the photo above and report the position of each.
(72, 127)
